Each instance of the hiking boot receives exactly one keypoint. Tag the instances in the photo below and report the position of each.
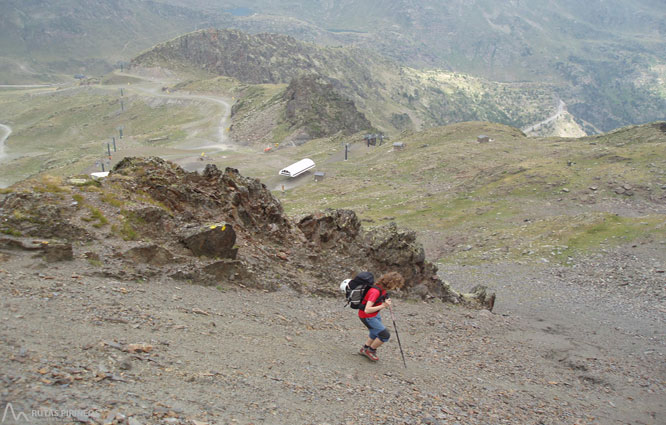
(371, 354)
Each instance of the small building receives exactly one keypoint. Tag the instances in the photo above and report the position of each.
(298, 168)
(99, 175)
(319, 176)
(398, 146)
(483, 139)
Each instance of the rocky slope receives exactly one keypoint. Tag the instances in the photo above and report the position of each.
(131, 352)
(151, 219)
(313, 104)
(390, 96)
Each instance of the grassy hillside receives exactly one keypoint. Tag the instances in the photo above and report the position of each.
(604, 56)
(66, 131)
(534, 199)
(74, 36)
(515, 197)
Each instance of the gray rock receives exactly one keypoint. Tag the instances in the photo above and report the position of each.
(151, 254)
(215, 241)
(54, 252)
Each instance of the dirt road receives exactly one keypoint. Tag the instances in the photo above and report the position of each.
(5, 131)
(561, 107)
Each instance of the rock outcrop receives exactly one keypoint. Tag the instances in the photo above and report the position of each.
(315, 106)
(150, 218)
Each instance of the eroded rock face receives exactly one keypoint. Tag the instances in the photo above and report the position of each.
(208, 197)
(215, 241)
(40, 215)
(331, 228)
(54, 252)
(382, 250)
(49, 250)
(151, 218)
(314, 105)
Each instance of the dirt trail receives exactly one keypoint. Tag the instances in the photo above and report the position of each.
(223, 354)
(603, 318)
(177, 154)
(224, 123)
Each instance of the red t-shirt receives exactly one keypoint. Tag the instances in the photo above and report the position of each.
(371, 295)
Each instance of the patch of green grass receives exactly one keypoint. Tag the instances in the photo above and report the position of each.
(611, 229)
(96, 215)
(146, 198)
(61, 129)
(92, 189)
(504, 199)
(95, 262)
(110, 199)
(11, 231)
(125, 231)
(280, 132)
(19, 215)
(223, 85)
(50, 184)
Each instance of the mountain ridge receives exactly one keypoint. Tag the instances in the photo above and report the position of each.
(602, 56)
(381, 89)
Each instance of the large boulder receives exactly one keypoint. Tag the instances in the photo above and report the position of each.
(214, 241)
(54, 252)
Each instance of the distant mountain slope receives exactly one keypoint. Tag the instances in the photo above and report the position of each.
(392, 97)
(75, 35)
(606, 56)
(257, 59)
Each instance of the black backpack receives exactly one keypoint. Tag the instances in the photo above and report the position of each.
(358, 288)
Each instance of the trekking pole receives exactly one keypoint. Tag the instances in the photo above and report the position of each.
(397, 336)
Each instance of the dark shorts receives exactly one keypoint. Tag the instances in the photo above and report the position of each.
(375, 326)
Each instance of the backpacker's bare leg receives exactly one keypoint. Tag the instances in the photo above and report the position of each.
(376, 343)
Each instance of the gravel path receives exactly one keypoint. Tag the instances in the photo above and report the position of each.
(165, 352)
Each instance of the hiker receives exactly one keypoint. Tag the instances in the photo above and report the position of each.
(373, 301)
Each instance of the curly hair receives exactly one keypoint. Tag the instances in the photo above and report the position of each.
(391, 281)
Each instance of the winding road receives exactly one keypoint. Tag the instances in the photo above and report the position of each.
(152, 88)
(561, 107)
(5, 131)
(222, 136)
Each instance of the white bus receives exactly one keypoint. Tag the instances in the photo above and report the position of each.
(298, 168)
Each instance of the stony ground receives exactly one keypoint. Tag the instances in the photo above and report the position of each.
(576, 345)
